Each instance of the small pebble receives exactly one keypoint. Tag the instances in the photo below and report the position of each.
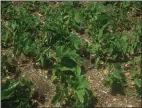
(114, 99)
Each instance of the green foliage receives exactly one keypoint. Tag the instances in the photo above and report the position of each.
(73, 86)
(116, 78)
(8, 65)
(16, 93)
(137, 83)
(136, 78)
(52, 35)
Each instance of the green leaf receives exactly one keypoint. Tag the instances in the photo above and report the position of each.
(59, 51)
(75, 40)
(11, 86)
(5, 35)
(96, 47)
(118, 66)
(13, 25)
(78, 70)
(124, 43)
(77, 17)
(117, 75)
(58, 95)
(106, 78)
(97, 60)
(8, 89)
(6, 94)
(56, 98)
(68, 62)
(137, 82)
(53, 77)
(83, 82)
(80, 94)
(101, 31)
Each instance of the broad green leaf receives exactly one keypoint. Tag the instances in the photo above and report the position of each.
(12, 85)
(137, 82)
(117, 66)
(8, 89)
(77, 17)
(75, 40)
(6, 94)
(83, 82)
(60, 51)
(80, 94)
(117, 75)
(100, 8)
(5, 35)
(68, 62)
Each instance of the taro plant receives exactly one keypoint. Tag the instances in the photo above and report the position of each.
(116, 78)
(16, 93)
(138, 85)
(136, 78)
(46, 32)
(72, 87)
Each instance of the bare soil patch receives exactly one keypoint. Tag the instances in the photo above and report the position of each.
(104, 95)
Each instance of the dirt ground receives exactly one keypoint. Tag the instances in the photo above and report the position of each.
(104, 95)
